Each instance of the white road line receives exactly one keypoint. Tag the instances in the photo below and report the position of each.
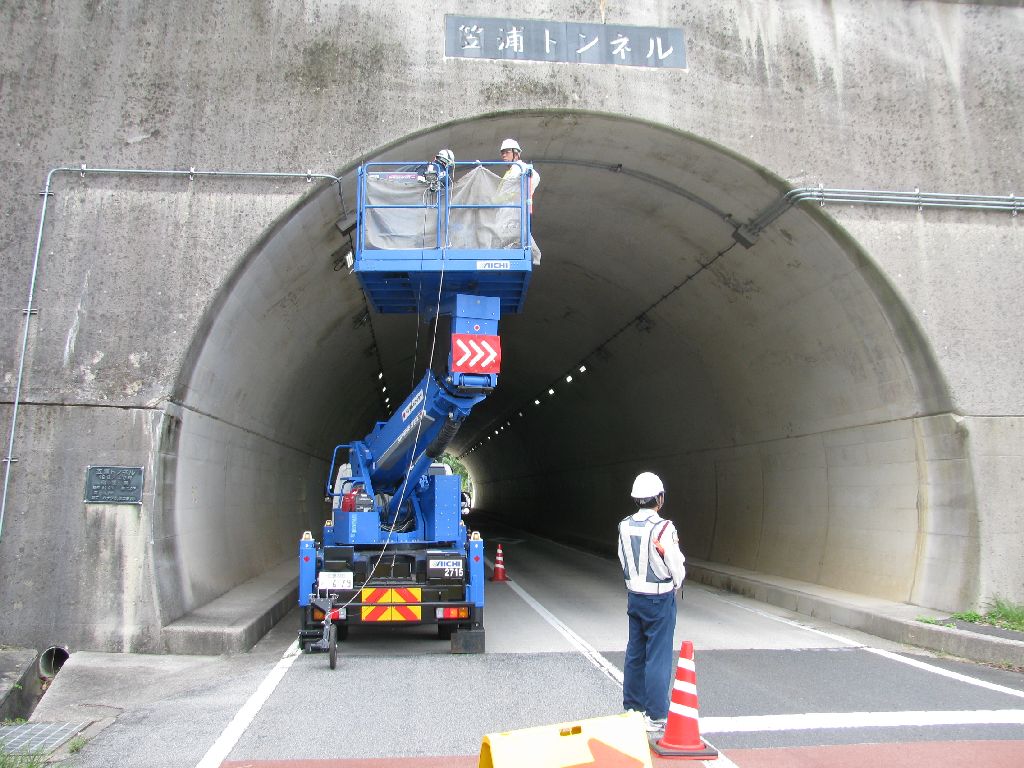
(828, 720)
(591, 653)
(879, 652)
(578, 642)
(234, 730)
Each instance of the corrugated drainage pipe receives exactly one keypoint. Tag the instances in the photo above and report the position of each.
(29, 310)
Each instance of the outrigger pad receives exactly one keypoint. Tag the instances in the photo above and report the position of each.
(468, 641)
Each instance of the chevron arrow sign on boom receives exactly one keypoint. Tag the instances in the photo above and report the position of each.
(476, 353)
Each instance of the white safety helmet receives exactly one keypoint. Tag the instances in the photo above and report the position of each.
(446, 156)
(511, 144)
(646, 486)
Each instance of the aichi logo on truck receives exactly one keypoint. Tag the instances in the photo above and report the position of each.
(448, 568)
(456, 563)
(494, 265)
(412, 405)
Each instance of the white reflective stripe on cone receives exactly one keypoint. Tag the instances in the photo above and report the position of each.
(682, 709)
(685, 687)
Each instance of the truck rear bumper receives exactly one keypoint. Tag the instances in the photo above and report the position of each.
(391, 615)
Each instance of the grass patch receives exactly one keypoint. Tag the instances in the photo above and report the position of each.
(1001, 613)
(32, 760)
(971, 617)
(1006, 615)
(76, 744)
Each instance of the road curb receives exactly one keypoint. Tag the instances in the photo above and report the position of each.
(235, 621)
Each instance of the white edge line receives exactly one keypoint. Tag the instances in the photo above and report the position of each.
(575, 640)
(221, 748)
(835, 720)
(591, 653)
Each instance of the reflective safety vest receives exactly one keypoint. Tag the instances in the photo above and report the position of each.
(643, 568)
(508, 188)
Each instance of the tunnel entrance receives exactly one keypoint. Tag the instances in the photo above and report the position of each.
(777, 383)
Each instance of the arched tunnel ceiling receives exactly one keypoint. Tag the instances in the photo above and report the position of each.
(692, 342)
(636, 225)
(641, 279)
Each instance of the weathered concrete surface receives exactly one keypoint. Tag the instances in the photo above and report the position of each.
(20, 685)
(839, 403)
(235, 621)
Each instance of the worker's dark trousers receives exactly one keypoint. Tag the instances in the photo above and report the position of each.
(648, 673)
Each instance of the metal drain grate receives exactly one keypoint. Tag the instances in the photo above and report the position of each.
(30, 738)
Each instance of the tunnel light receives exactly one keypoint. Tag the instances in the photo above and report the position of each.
(380, 375)
(383, 389)
(520, 414)
(536, 402)
(568, 379)
(551, 392)
(583, 369)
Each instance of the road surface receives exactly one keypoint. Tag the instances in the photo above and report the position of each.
(774, 688)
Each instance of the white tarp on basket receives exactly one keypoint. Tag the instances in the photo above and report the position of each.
(411, 228)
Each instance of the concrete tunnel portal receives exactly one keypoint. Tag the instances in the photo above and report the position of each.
(782, 390)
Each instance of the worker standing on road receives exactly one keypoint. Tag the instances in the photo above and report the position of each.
(653, 567)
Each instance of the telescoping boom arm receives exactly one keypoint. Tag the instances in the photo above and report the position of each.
(391, 460)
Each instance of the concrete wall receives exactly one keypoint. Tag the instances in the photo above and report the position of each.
(839, 403)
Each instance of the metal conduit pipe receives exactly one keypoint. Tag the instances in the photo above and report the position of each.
(918, 199)
(191, 173)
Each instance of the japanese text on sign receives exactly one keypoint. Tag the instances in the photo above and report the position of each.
(471, 37)
(113, 485)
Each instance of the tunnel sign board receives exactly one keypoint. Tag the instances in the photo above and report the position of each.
(475, 37)
(476, 353)
(113, 485)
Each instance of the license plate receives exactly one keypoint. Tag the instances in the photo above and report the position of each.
(445, 568)
(335, 580)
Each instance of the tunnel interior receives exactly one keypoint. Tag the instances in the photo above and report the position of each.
(780, 387)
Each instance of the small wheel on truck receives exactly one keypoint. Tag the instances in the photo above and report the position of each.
(332, 645)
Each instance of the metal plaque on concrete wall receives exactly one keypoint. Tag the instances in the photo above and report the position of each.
(475, 37)
(113, 485)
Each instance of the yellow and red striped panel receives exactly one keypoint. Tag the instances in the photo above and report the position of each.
(398, 604)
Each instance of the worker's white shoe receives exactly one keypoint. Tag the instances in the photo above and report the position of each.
(655, 726)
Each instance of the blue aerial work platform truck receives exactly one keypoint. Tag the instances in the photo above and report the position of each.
(435, 239)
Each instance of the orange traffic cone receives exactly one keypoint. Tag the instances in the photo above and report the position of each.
(499, 567)
(682, 733)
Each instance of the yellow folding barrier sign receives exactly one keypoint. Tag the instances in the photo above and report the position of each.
(618, 741)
